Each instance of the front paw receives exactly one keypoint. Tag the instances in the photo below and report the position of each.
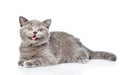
(29, 64)
(20, 63)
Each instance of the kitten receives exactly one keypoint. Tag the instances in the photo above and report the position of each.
(39, 47)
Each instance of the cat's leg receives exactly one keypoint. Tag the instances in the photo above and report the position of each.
(83, 60)
(31, 63)
(21, 61)
(82, 56)
(41, 61)
(38, 62)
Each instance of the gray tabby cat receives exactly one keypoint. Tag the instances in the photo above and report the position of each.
(41, 48)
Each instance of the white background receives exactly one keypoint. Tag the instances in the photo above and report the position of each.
(95, 22)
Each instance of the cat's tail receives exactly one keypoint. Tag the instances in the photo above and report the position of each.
(102, 55)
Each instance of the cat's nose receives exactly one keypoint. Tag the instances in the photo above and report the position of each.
(35, 32)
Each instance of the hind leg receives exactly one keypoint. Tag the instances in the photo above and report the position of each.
(82, 56)
(83, 60)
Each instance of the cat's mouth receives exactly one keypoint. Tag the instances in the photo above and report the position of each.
(34, 38)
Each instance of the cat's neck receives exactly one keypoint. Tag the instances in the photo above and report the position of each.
(44, 44)
(26, 44)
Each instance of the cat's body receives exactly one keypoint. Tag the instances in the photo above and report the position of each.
(41, 48)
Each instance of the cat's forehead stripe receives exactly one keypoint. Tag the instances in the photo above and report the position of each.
(35, 23)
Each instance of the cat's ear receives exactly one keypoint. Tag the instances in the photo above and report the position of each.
(47, 23)
(22, 20)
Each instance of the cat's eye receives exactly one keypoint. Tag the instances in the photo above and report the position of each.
(40, 30)
(29, 28)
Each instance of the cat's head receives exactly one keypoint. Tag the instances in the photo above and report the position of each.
(33, 31)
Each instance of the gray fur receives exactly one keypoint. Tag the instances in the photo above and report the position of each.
(52, 48)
